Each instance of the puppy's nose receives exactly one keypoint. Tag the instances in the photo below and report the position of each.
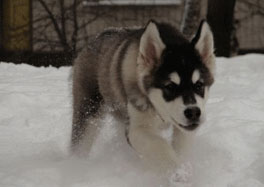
(193, 113)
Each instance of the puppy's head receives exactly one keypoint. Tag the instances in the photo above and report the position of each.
(176, 74)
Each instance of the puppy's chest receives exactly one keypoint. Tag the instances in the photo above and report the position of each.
(166, 132)
(161, 128)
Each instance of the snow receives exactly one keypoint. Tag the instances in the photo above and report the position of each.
(35, 127)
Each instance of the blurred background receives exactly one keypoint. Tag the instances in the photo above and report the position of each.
(53, 32)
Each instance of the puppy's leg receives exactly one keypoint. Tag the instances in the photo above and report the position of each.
(182, 142)
(85, 110)
(86, 101)
(145, 139)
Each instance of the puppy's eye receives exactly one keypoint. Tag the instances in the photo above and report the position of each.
(199, 86)
(170, 87)
(170, 91)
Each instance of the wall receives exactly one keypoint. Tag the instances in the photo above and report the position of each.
(250, 24)
(250, 30)
(45, 39)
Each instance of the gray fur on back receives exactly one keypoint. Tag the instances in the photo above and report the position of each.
(104, 63)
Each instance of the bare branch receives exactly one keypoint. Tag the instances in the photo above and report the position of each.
(75, 25)
(64, 18)
(41, 19)
(257, 6)
(63, 21)
(191, 17)
(53, 20)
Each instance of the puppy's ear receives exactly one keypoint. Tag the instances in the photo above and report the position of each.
(204, 44)
(151, 45)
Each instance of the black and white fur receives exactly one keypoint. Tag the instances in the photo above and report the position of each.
(154, 78)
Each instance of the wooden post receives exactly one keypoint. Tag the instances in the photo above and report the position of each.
(17, 25)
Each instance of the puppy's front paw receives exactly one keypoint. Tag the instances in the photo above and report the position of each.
(181, 175)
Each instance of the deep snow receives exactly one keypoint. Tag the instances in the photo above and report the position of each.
(35, 125)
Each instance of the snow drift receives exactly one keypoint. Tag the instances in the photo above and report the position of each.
(35, 125)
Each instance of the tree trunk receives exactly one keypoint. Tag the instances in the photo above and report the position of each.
(191, 17)
(220, 17)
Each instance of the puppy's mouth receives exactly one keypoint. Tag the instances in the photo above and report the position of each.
(190, 127)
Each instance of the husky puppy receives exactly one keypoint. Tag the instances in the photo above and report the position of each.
(153, 77)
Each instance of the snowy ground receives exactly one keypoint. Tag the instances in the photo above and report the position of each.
(35, 124)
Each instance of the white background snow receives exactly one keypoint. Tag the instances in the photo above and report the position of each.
(35, 125)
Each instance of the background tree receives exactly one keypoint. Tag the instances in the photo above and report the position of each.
(254, 7)
(249, 24)
(63, 19)
(191, 17)
(220, 16)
